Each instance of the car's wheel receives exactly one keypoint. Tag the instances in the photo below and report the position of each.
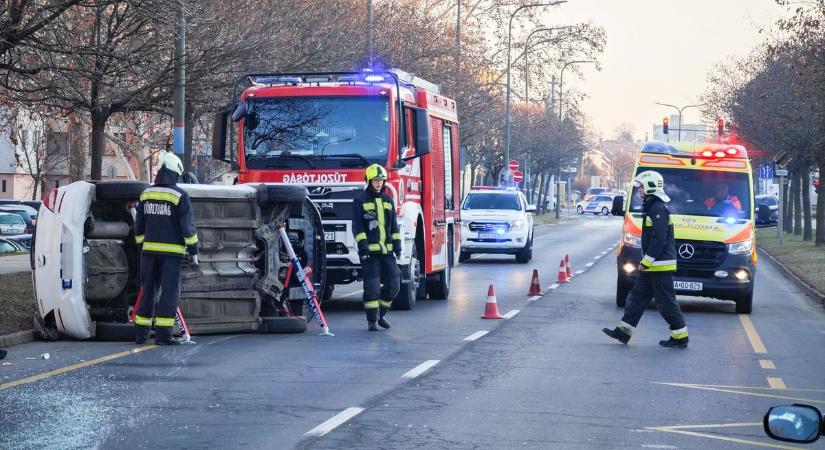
(579, 209)
(526, 254)
(328, 291)
(463, 256)
(439, 286)
(119, 190)
(283, 325)
(622, 290)
(605, 211)
(411, 283)
(744, 303)
(115, 331)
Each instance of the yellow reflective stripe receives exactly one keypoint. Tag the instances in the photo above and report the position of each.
(160, 197)
(373, 304)
(385, 303)
(387, 205)
(681, 333)
(669, 268)
(382, 232)
(648, 222)
(396, 236)
(647, 263)
(166, 248)
(374, 247)
(368, 207)
(139, 238)
(360, 236)
(191, 240)
(143, 321)
(164, 321)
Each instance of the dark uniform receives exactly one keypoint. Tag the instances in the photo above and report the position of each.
(375, 227)
(655, 279)
(165, 230)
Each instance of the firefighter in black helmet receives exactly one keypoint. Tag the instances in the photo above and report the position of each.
(375, 227)
(164, 228)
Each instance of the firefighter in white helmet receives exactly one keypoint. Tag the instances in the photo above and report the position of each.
(655, 279)
(164, 228)
(375, 227)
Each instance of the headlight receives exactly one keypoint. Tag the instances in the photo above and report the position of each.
(631, 240)
(739, 248)
(516, 224)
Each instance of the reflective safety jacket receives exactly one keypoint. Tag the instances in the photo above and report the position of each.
(374, 223)
(658, 241)
(164, 221)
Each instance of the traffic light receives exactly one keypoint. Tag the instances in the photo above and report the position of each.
(720, 126)
(665, 123)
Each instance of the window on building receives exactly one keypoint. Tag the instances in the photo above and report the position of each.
(4, 185)
(57, 143)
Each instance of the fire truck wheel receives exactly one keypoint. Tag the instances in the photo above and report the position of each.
(120, 190)
(411, 283)
(282, 325)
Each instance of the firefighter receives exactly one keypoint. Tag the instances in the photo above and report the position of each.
(655, 279)
(164, 228)
(375, 227)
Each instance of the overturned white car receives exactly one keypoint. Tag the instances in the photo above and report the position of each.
(85, 261)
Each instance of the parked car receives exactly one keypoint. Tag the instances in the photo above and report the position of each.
(772, 204)
(600, 204)
(11, 224)
(8, 246)
(28, 214)
(32, 203)
(9, 202)
(23, 240)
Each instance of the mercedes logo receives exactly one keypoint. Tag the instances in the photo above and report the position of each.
(686, 251)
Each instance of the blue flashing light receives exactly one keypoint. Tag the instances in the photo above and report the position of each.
(730, 220)
(373, 78)
(499, 231)
(349, 78)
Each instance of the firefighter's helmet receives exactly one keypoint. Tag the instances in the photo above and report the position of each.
(172, 162)
(651, 183)
(375, 172)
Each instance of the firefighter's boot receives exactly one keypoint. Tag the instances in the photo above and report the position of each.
(163, 336)
(141, 334)
(372, 326)
(617, 334)
(384, 323)
(382, 313)
(674, 343)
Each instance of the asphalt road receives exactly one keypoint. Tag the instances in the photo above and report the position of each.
(545, 378)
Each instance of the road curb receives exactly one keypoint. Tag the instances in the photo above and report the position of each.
(809, 290)
(21, 337)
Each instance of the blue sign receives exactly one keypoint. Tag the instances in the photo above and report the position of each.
(767, 171)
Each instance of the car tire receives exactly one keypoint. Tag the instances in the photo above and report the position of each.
(622, 290)
(119, 190)
(605, 211)
(463, 256)
(405, 300)
(526, 254)
(282, 193)
(283, 325)
(744, 303)
(114, 331)
(579, 210)
(328, 291)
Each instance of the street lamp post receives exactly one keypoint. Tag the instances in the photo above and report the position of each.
(561, 118)
(526, 60)
(679, 133)
(506, 171)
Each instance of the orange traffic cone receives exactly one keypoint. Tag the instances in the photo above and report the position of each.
(535, 288)
(491, 307)
(562, 273)
(567, 266)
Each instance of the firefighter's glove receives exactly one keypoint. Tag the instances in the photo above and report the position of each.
(397, 250)
(642, 268)
(364, 255)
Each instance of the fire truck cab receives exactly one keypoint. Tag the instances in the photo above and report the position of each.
(321, 130)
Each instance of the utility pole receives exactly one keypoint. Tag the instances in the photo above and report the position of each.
(180, 89)
(679, 133)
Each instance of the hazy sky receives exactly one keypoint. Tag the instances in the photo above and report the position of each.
(659, 51)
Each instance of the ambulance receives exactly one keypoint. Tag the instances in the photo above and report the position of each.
(711, 192)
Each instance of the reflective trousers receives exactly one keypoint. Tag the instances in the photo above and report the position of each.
(650, 285)
(382, 280)
(159, 272)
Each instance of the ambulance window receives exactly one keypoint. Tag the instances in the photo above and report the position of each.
(447, 139)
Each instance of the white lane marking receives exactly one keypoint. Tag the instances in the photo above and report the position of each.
(579, 272)
(336, 421)
(604, 252)
(511, 314)
(553, 286)
(421, 368)
(545, 236)
(590, 264)
(476, 336)
(766, 364)
(597, 257)
(657, 446)
(776, 383)
(534, 298)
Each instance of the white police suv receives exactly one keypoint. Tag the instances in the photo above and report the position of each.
(496, 220)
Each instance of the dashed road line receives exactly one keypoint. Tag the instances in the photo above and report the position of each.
(334, 422)
(590, 264)
(579, 272)
(511, 314)
(776, 383)
(766, 364)
(596, 258)
(534, 298)
(604, 252)
(421, 368)
(476, 336)
(553, 286)
(753, 336)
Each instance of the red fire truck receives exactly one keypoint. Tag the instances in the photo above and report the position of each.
(321, 130)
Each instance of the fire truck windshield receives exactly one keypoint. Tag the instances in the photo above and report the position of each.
(316, 132)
